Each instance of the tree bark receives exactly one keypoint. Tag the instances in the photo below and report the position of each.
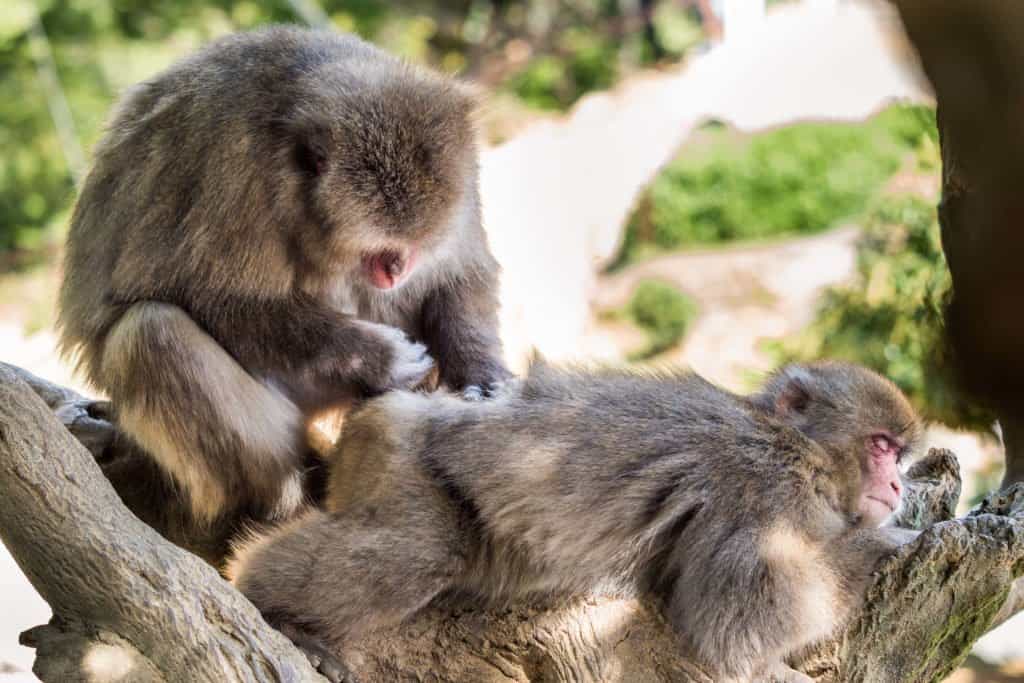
(130, 606)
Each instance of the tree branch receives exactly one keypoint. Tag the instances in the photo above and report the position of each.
(130, 606)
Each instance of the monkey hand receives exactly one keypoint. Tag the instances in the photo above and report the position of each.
(91, 422)
(480, 392)
(486, 378)
(410, 362)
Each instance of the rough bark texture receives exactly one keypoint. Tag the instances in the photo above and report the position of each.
(973, 54)
(130, 606)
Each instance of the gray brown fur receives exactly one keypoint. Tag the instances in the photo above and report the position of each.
(742, 514)
(212, 279)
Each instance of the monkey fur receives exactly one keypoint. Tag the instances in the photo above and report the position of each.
(267, 228)
(753, 520)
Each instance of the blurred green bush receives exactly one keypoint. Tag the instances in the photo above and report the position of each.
(890, 318)
(663, 312)
(583, 60)
(799, 179)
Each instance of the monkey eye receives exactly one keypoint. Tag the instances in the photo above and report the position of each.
(884, 445)
(312, 159)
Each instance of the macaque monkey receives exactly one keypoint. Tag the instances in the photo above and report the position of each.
(279, 225)
(755, 521)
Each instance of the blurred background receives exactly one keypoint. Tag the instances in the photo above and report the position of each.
(722, 184)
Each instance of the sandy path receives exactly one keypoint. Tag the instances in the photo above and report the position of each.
(746, 294)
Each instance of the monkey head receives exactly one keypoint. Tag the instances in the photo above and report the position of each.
(861, 420)
(387, 164)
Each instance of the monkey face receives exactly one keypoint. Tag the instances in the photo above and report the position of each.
(882, 485)
(863, 422)
(386, 166)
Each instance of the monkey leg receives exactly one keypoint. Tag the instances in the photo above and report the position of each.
(327, 578)
(228, 440)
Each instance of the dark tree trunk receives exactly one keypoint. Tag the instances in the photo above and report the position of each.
(974, 56)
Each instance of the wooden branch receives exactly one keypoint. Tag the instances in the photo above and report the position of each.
(130, 606)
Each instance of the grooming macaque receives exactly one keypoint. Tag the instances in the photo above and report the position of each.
(755, 520)
(266, 225)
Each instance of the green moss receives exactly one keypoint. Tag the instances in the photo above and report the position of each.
(951, 645)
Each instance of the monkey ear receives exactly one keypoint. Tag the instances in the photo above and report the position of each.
(795, 395)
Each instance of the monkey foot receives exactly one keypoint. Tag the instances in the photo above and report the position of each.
(322, 659)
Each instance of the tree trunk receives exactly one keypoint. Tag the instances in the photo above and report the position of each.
(974, 57)
(130, 606)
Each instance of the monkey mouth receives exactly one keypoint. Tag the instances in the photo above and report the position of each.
(887, 503)
(386, 269)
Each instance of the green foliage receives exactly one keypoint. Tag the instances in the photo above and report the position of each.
(663, 312)
(890, 319)
(798, 179)
(582, 60)
(99, 48)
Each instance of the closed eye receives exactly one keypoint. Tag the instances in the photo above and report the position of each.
(886, 446)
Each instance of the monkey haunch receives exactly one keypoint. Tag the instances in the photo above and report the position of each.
(754, 519)
(264, 223)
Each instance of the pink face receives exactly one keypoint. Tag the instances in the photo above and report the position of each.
(882, 485)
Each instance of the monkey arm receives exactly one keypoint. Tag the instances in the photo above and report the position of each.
(458, 324)
(318, 355)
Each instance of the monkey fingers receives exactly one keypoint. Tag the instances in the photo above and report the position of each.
(91, 422)
(480, 392)
(322, 659)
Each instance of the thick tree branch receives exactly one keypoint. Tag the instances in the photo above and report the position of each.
(130, 606)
